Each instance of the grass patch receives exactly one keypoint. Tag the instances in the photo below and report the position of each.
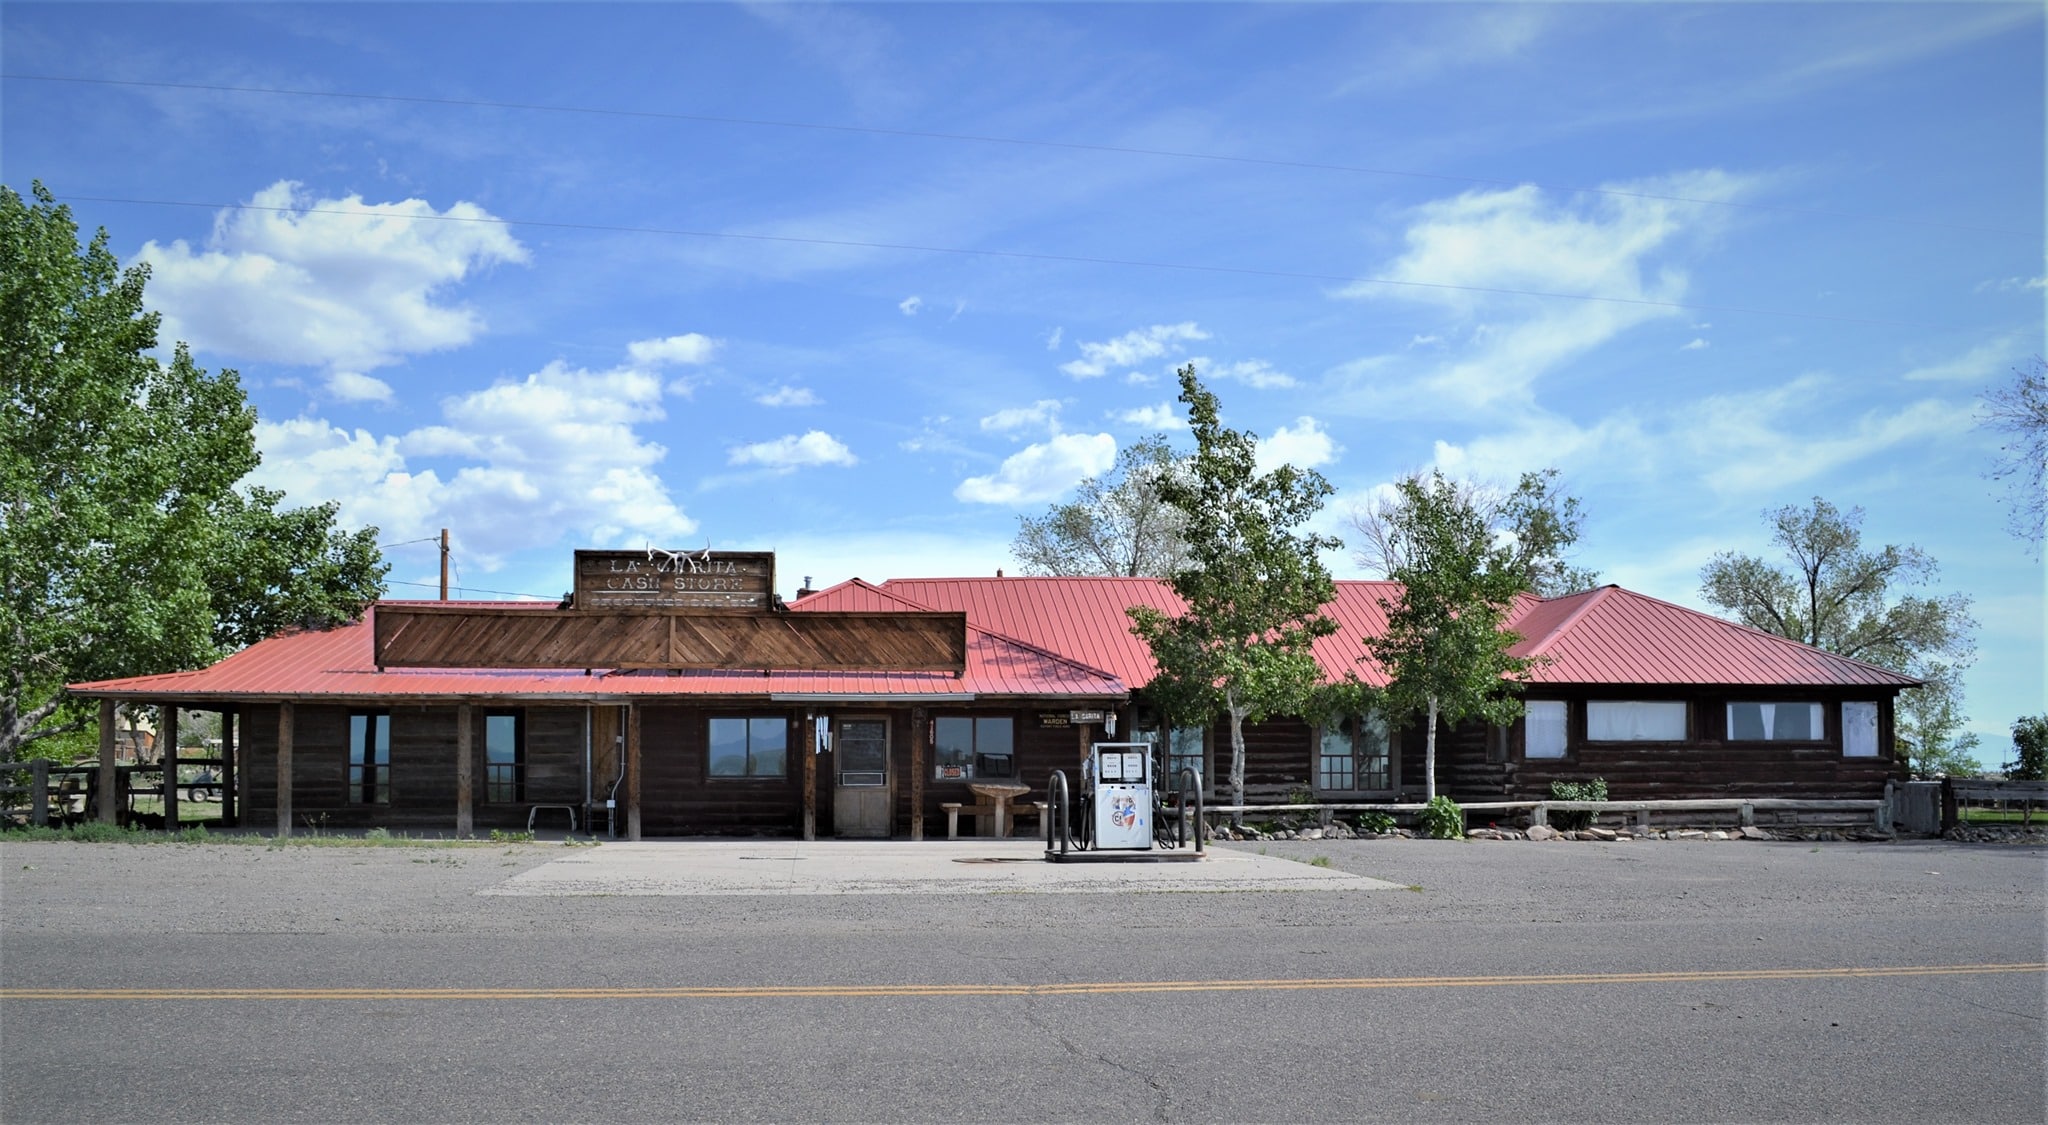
(1977, 814)
(1320, 861)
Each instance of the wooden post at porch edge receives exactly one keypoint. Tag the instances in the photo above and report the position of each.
(230, 776)
(287, 721)
(633, 772)
(810, 753)
(465, 773)
(167, 757)
(919, 727)
(109, 777)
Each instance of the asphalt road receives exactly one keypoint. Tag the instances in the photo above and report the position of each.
(1666, 981)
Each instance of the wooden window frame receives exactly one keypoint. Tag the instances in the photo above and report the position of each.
(1820, 710)
(1357, 770)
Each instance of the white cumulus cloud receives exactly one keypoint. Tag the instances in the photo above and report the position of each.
(1043, 414)
(1698, 344)
(1043, 471)
(1303, 445)
(690, 348)
(354, 386)
(336, 283)
(911, 305)
(1160, 416)
(1131, 349)
(790, 452)
(788, 396)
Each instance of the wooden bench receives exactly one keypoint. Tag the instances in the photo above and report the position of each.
(954, 809)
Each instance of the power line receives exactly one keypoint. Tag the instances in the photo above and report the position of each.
(977, 138)
(478, 590)
(1024, 255)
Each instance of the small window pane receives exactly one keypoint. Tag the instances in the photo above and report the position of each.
(1635, 721)
(728, 748)
(1859, 730)
(501, 739)
(953, 748)
(993, 754)
(1544, 729)
(768, 747)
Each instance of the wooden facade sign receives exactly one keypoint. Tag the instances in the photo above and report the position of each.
(608, 581)
(435, 636)
(1052, 720)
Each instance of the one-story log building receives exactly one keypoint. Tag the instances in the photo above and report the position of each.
(675, 694)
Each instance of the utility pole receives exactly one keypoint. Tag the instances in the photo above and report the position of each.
(444, 564)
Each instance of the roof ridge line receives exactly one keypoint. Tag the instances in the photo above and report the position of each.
(1570, 619)
(1045, 652)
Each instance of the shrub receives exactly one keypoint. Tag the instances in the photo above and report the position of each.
(1572, 821)
(1375, 822)
(1442, 819)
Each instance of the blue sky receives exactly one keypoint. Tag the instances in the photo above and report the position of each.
(864, 284)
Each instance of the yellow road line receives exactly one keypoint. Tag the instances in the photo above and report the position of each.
(1079, 988)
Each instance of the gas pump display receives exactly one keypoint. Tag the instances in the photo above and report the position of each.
(1121, 777)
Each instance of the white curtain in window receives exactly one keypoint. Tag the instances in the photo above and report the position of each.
(1635, 721)
(1859, 730)
(1774, 722)
(1544, 729)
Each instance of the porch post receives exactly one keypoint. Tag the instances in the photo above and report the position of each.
(810, 755)
(229, 777)
(109, 778)
(633, 772)
(287, 721)
(919, 730)
(465, 771)
(168, 733)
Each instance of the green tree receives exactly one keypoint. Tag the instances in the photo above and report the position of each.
(2029, 749)
(1446, 643)
(1115, 525)
(1537, 521)
(125, 547)
(1253, 585)
(1834, 595)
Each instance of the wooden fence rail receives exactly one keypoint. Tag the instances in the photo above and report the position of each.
(1745, 809)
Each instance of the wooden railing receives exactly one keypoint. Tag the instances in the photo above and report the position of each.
(1745, 809)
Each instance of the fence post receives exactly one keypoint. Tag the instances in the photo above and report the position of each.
(39, 794)
(1539, 816)
(1948, 804)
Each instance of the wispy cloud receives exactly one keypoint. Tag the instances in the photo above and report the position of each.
(1132, 348)
(690, 349)
(788, 396)
(1987, 359)
(792, 452)
(1041, 415)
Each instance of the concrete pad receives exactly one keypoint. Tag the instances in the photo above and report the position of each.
(899, 867)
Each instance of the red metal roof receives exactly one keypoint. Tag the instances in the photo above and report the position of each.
(1603, 636)
(1050, 637)
(1615, 636)
(338, 663)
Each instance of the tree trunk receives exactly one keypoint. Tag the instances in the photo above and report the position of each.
(1236, 756)
(1429, 756)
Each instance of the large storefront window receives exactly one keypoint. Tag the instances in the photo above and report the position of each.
(756, 747)
(1635, 721)
(964, 749)
(1351, 755)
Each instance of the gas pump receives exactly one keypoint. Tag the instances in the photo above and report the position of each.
(1118, 777)
(1110, 817)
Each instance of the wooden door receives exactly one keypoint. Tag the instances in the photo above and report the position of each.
(863, 801)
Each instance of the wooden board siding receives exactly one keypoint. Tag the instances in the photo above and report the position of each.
(484, 637)
(677, 799)
(423, 781)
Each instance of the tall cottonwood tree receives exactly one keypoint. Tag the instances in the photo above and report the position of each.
(125, 546)
(1116, 524)
(1253, 585)
(2019, 410)
(1446, 645)
(1832, 594)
